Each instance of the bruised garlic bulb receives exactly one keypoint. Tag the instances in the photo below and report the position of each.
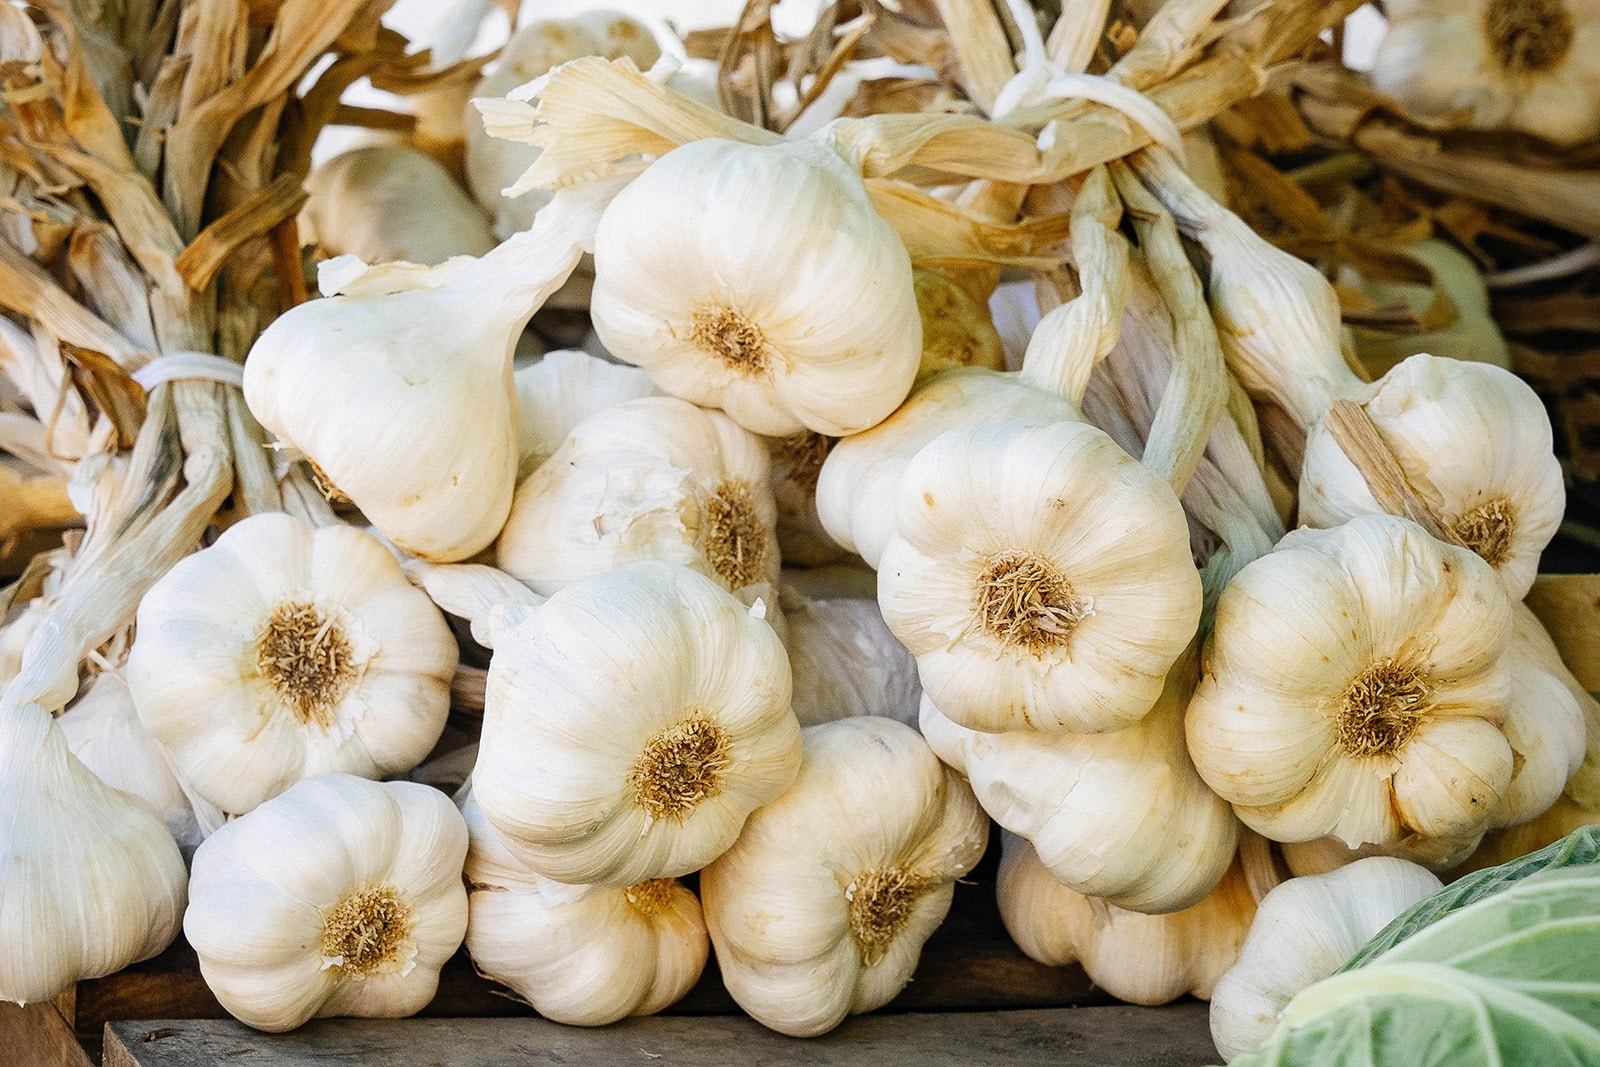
(339, 897)
(1473, 439)
(560, 391)
(846, 662)
(92, 879)
(1528, 65)
(1142, 959)
(580, 954)
(1041, 576)
(413, 421)
(810, 927)
(1356, 686)
(285, 651)
(656, 478)
(631, 724)
(1123, 815)
(389, 202)
(731, 300)
(1304, 930)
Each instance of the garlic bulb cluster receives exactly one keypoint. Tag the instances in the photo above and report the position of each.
(631, 724)
(1356, 686)
(1142, 959)
(340, 897)
(389, 202)
(285, 651)
(580, 954)
(1304, 930)
(92, 879)
(731, 299)
(846, 662)
(560, 391)
(1040, 575)
(811, 927)
(1528, 65)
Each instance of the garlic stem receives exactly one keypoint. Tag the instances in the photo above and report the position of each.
(490, 600)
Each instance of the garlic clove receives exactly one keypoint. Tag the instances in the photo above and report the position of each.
(1459, 768)
(560, 391)
(1545, 723)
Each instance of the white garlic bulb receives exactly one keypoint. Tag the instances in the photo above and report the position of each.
(560, 391)
(1123, 816)
(1041, 576)
(1544, 724)
(414, 422)
(285, 651)
(846, 662)
(1526, 65)
(1142, 959)
(1304, 930)
(631, 724)
(656, 478)
(1474, 440)
(389, 202)
(340, 897)
(1356, 686)
(731, 300)
(580, 954)
(92, 879)
(103, 730)
(810, 927)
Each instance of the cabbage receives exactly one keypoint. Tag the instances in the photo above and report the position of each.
(1494, 971)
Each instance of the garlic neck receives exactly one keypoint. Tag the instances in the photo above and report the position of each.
(1528, 36)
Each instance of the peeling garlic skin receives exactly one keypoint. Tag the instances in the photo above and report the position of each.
(1528, 65)
(285, 651)
(1041, 576)
(1356, 686)
(730, 299)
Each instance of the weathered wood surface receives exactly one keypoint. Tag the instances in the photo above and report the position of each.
(38, 1036)
(1120, 1036)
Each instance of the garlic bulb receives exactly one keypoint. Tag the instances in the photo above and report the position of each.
(104, 732)
(285, 651)
(796, 463)
(1304, 930)
(1356, 687)
(1143, 959)
(492, 163)
(1474, 440)
(631, 724)
(92, 879)
(389, 202)
(1528, 65)
(656, 478)
(1544, 724)
(846, 662)
(1329, 853)
(1041, 576)
(810, 927)
(580, 954)
(1473, 335)
(731, 300)
(957, 330)
(1123, 815)
(339, 897)
(560, 391)
(414, 423)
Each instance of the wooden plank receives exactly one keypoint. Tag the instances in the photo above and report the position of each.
(36, 1035)
(1174, 1036)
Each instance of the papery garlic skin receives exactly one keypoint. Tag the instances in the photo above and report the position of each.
(1123, 816)
(1041, 576)
(560, 391)
(857, 486)
(581, 955)
(1529, 65)
(811, 927)
(1304, 930)
(1142, 959)
(285, 651)
(391, 202)
(340, 897)
(1474, 440)
(649, 479)
(630, 726)
(846, 663)
(1356, 685)
(731, 299)
(90, 879)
